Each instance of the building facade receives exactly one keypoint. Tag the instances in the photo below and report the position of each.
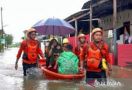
(102, 14)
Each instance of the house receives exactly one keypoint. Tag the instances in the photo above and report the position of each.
(102, 14)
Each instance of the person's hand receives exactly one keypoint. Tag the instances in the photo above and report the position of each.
(55, 67)
(81, 69)
(16, 66)
(110, 68)
(52, 46)
(44, 58)
(108, 73)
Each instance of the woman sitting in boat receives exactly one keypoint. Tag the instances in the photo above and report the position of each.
(52, 53)
(67, 61)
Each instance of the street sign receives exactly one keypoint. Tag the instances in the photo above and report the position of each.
(2, 41)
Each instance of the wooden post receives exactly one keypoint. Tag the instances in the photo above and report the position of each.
(76, 27)
(90, 19)
(114, 31)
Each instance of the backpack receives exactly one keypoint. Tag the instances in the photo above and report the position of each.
(68, 63)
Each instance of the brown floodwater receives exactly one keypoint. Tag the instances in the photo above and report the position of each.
(10, 79)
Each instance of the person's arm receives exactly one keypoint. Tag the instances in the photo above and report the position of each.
(58, 60)
(20, 51)
(41, 53)
(51, 51)
(19, 54)
(56, 64)
(82, 56)
(76, 51)
(108, 58)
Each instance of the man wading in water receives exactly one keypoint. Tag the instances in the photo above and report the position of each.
(31, 51)
(97, 58)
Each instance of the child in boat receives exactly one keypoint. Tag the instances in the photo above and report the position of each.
(67, 61)
(57, 52)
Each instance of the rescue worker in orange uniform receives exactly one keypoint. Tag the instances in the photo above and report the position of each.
(31, 51)
(96, 52)
(79, 50)
(65, 42)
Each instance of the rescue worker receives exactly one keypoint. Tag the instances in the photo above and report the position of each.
(31, 51)
(82, 45)
(97, 58)
(65, 42)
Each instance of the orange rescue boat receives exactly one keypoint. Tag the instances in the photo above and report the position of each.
(53, 75)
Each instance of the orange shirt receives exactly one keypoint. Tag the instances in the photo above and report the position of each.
(24, 48)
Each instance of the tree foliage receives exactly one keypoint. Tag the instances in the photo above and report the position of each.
(9, 39)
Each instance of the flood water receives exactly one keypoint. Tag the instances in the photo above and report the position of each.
(10, 79)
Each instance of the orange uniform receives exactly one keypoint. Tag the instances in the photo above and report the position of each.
(95, 55)
(81, 51)
(31, 49)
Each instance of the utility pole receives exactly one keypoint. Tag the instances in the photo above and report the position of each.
(90, 19)
(76, 27)
(2, 31)
(114, 30)
(2, 21)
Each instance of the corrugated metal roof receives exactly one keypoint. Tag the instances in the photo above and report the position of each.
(105, 7)
(77, 14)
(102, 8)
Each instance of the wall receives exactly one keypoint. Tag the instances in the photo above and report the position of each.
(125, 55)
(107, 22)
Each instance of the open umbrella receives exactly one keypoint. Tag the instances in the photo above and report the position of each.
(53, 26)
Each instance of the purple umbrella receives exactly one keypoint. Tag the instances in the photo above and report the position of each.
(53, 26)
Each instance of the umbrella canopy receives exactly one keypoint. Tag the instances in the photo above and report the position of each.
(53, 26)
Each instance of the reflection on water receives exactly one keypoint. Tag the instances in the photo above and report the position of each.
(11, 79)
(63, 86)
(30, 84)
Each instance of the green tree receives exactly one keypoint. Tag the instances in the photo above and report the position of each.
(1, 45)
(8, 39)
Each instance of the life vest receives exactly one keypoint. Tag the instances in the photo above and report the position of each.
(94, 59)
(79, 51)
(32, 52)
